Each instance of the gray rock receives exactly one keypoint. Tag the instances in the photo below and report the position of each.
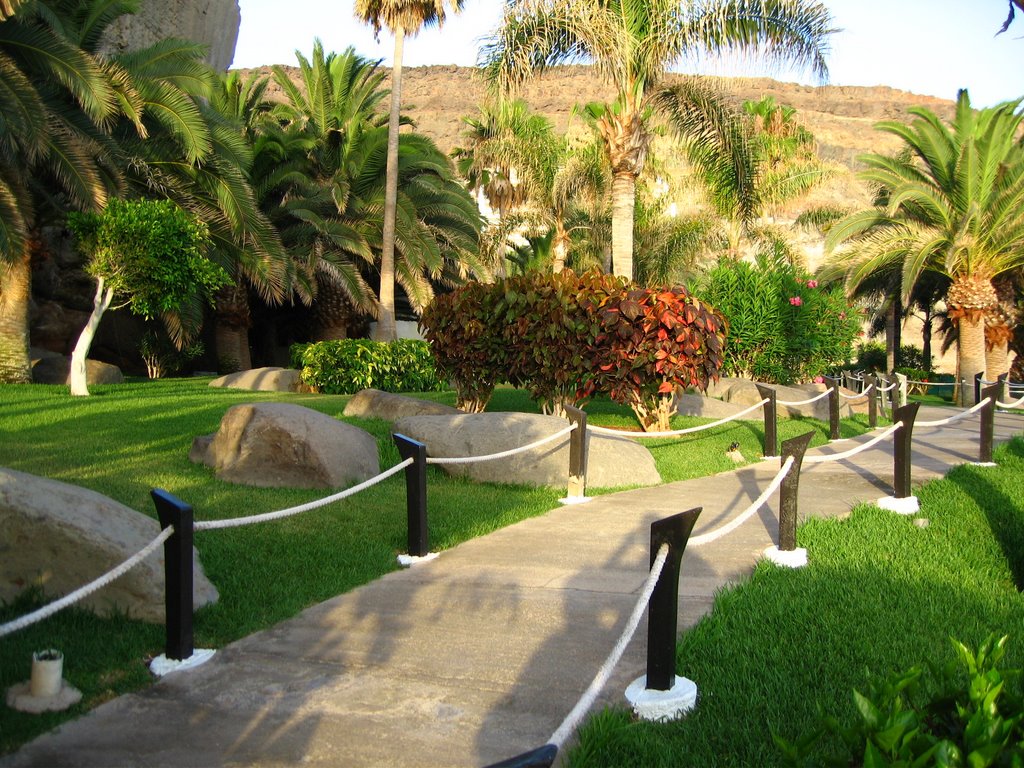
(60, 537)
(613, 461)
(57, 370)
(709, 408)
(263, 380)
(283, 445)
(375, 404)
(744, 393)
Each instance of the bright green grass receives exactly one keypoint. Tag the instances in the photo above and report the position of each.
(126, 439)
(881, 594)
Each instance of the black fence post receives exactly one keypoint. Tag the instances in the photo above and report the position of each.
(894, 394)
(663, 614)
(871, 387)
(415, 493)
(988, 422)
(977, 387)
(1003, 379)
(543, 757)
(577, 453)
(788, 491)
(901, 451)
(771, 419)
(178, 576)
(833, 407)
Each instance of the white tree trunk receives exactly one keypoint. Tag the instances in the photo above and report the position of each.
(100, 303)
(623, 202)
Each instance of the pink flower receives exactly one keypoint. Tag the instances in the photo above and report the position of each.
(812, 283)
(796, 301)
(819, 379)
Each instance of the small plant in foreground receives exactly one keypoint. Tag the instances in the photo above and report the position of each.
(970, 720)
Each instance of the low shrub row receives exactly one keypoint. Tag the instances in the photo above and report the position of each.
(346, 366)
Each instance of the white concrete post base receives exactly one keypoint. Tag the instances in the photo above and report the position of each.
(161, 665)
(983, 464)
(662, 705)
(20, 697)
(792, 558)
(904, 506)
(409, 560)
(575, 500)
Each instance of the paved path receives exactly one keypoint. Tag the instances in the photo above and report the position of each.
(478, 655)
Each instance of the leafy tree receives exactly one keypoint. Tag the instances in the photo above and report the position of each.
(632, 44)
(151, 254)
(401, 17)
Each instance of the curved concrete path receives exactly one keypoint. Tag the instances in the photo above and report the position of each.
(479, 654)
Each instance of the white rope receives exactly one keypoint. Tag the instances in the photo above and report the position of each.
(675, 432)
(73, 597)
(854, 451)
(826, 393)
(889, 388)
(933, 383)
(957, 417)
(502, 454)
(707, 538)
(208, 525)
(572, 720)
(862, 394)
(1014, 404)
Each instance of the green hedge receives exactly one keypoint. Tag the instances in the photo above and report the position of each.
(349, 365)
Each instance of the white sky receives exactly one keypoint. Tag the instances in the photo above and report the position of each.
(928, 47)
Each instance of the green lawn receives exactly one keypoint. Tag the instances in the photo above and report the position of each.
(129, 438)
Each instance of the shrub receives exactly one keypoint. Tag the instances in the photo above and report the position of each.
(162, 358)
(871, 356)
(346, 366)
(913, 357)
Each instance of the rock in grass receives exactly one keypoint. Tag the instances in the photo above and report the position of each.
(280, 445)
(263, 380)
(613, 461)
(57, 370)
(60, 536)
(375, 404)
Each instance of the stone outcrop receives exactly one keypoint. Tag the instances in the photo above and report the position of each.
(263, 380)
(56, 369)
(275, 445)
(710, 408)
(743, 392)
(612, 461)
(60, 536)
(375, 404)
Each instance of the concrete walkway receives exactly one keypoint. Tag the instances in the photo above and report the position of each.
(478, 655)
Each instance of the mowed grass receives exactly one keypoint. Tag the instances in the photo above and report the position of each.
(126, 439)
(881, 594)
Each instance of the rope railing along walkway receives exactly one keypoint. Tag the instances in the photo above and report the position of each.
(889, 388)
(740, 519)
(1010, 406)
(854, 451)
(957, 417)
(857, 395)
(73, 597)
(501, 454)
(572, 720)
(814, 399)
(675, 432)
(935, 383)
(234, 522)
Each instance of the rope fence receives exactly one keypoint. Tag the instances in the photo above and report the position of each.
(957, 417)
(676, 432)
(854, 451)
(740, 519)
(1010, 406)
(501, 454)
(862, 394)
(814, 399)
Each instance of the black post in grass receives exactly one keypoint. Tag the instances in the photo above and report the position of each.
(902, 448)
(833, 407)
(178, 576)
(871, 387)
(577, 453)
(415, 493)
(663, 613)
(771, 420)
(788, 491)
(988, 422)
(542, 757)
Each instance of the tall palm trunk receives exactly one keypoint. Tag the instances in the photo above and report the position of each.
(386, 318)
(623, 204)
(15, 293)
(231, 331)
(560, 246)
(970, 353)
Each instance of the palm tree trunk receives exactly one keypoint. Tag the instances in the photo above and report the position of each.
(15, 293)
(560, 247)
(997, 359)
(970, 353)
(232, 342)
(386, 318)
(623, 203)
(891, 344)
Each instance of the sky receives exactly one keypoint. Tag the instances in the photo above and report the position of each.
(930, 47)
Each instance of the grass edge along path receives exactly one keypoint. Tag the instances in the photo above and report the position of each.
(883, 592)
(129, 438)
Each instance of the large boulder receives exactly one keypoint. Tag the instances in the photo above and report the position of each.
(375, 404)
(57, 370)
(710, 408)
(60, 537)
(612, 461)
(269, 379)
(744, 393)
(283, 445)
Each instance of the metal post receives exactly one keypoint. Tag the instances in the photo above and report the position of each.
(178, 576)
(833, 408)
(977, 387)
(771, 420)
(663, 614)
(988, 421)
(795, 447)
(577, 453)
(872, 382)
(415, 493)
(901, 449)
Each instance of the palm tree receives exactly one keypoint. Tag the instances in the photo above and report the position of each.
(631, 44)
(956, 207)
(401, 17)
